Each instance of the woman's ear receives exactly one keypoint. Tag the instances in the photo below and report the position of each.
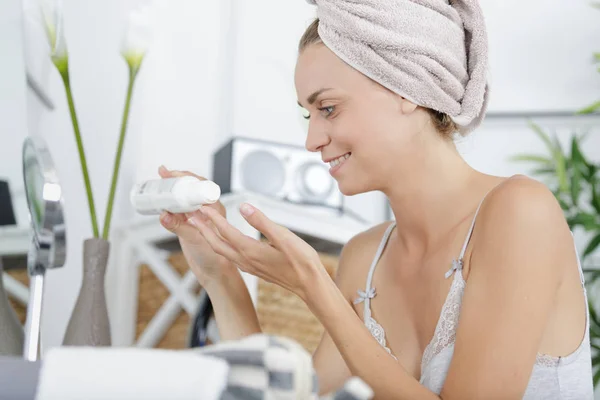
(407, 106)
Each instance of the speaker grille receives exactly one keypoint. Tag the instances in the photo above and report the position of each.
(262, 172)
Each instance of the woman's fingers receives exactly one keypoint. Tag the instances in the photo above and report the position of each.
(166, 173)
(278, 235)
(294, 248)
(218, 245)
(245, 244)
(172, 222)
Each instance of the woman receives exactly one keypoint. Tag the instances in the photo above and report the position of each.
(476, 291)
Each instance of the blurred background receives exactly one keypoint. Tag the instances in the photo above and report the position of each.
(216, 71)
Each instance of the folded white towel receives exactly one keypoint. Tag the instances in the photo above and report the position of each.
(256, 367)
(432, 52)
(275, 368)
(76, 373)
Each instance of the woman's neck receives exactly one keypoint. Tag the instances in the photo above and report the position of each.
(433, 200)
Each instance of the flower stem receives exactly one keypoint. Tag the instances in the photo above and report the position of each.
(115, 177)
(64, 73)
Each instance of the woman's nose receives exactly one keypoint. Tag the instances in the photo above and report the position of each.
(316, 138)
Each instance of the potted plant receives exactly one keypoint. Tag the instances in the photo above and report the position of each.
(89, 324)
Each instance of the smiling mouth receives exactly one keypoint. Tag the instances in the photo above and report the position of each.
(339, 160)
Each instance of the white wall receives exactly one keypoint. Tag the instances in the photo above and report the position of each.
(203, 82)
(541, 54)
(172, 121)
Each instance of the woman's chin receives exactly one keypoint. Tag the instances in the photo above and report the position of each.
(350, 190)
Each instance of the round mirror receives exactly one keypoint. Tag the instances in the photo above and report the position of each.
(48, 241)
(44, 199)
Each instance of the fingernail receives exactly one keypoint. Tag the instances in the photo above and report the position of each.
(167, 219)
(246, 209)
(163, 168)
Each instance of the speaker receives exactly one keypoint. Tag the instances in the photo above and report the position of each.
(286, 172)
(7, 214)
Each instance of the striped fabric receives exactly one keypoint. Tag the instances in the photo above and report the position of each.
(265, 367)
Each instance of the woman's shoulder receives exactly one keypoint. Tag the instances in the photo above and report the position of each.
(521, 213)
(356, 258)
(369, 238)
(521, 198)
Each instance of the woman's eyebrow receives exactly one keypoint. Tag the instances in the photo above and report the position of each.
(313, 97)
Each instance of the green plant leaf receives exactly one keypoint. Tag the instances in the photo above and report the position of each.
(590, 109)
(587, 220)
(595, 197)
(563, 204)
(542, 135)
(591, 275)
(561, 166)
(580, 168)
(592, 245)
(591, 174)
(531, 158)
(558, 157)
(575, 185)
(596, 376)
(577, 157)
(597, 57)
(594, 325)
(544, 171)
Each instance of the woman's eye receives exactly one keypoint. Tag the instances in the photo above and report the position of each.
(327, 111)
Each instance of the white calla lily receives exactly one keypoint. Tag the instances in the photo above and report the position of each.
(52, 15)
(137, 38)
(138, 35)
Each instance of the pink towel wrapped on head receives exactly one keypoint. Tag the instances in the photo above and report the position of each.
(432, 52)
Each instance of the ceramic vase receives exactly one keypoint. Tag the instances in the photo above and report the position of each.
(89, 324)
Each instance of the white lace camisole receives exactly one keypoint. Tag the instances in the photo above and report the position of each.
(568, 377)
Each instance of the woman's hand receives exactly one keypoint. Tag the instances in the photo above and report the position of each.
(286, 260)
(204, 262)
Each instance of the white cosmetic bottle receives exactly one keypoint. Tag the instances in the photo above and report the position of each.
(175, 195)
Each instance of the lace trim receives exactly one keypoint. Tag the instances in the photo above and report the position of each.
(546, 360)
(376, 330)
(445, 331)
(378, 333)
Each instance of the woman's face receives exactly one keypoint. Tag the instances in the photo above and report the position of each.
(366, 132)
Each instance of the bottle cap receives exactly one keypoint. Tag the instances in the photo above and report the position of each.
(204, 192)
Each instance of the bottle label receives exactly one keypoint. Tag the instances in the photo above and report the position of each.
(157, 186)
(155, 196)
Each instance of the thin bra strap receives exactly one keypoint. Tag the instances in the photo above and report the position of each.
(457, 264)
(468, 238)
(369, 292)
(382, 244)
